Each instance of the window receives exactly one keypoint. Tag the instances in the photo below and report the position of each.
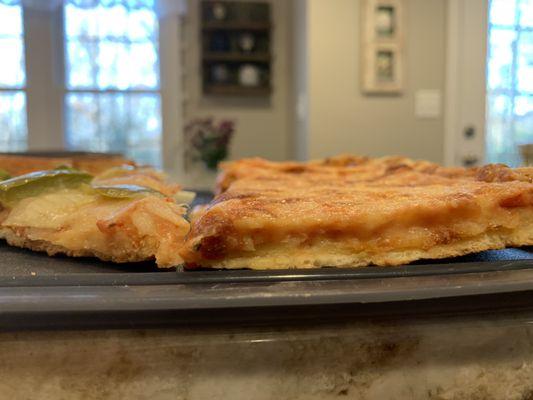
(510, 79)
(13, 131)
(112, 100)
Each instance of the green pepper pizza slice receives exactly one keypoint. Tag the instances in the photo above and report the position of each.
(123, 215)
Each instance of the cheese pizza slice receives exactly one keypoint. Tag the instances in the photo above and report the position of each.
(126, 214)
(355, 211)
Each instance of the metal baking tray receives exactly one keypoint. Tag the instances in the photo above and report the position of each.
(37, 291)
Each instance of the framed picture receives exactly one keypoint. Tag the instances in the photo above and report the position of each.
(385, 21)
(383, 69)
(382, 35)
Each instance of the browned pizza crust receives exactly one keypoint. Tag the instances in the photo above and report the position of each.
(353, 211)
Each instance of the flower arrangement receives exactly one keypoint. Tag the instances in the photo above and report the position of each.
(208, 141)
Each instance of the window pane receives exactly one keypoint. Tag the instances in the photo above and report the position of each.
(526, 13)
(13, 121)
(143, 66)
(126, 123)
(13, 131)
(12, 45)
(525, 61)
(500, 147)
(523, 120)
(124, 39)
(113, 21)
(82, 122)
(502, 12)
(81, 64)
(142, 25)
(501, 58)
(10, 19)
(80, 21)
(12, 63)
(144, 141)
(114, 66)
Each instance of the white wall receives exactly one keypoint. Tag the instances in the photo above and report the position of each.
(343, 120)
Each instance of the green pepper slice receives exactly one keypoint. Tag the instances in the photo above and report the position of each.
(125, 191)
(4, 175)
(35, 183)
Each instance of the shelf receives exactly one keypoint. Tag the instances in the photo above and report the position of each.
(236, 25)
(220, 44)
(234, 56)
(230, 90)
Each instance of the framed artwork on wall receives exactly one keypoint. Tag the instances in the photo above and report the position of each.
(382, 37)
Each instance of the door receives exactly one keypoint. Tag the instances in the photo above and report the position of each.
(489, 102)
(465, 82)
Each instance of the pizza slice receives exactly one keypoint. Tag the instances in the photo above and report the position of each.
(126, 214)
(355, 211)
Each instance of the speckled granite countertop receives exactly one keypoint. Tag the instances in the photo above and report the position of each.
(474, 358)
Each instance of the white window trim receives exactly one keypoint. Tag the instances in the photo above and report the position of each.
(45, 83)
(44, 73)
(171, 83)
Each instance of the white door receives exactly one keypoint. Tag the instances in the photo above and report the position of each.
(465, 82)
(489, 109)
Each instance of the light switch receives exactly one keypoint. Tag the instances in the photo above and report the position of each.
(427, 103)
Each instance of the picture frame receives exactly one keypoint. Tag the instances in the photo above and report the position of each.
(382, 47)
(383, 69)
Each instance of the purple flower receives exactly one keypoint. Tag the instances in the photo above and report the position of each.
(208, 141)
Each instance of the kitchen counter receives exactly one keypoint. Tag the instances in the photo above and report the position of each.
(469, 357)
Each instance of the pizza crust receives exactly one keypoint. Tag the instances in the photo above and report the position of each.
(52, 249)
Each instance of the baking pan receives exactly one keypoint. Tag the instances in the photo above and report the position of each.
(37, 291)
(96, 287)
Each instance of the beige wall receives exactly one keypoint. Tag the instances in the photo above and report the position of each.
(340, 118)
(262, 124)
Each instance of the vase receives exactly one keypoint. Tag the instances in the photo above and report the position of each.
(199, 177)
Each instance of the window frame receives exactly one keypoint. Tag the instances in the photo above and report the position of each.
(46, 88)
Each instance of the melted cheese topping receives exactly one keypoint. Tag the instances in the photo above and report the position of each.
(49, 211)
